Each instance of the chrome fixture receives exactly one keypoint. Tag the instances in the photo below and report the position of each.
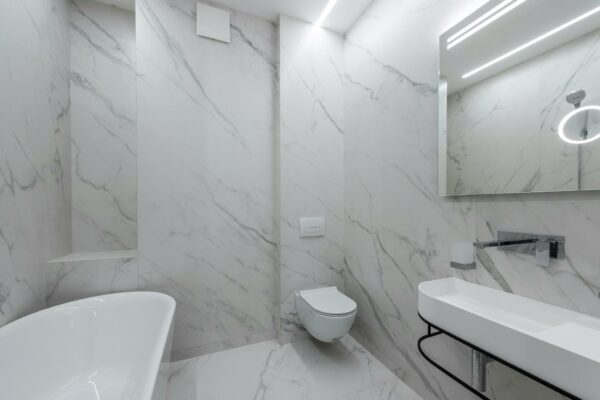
(542, 247)
(576, 98)
(479, 362)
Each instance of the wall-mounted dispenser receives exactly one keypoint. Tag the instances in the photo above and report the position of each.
(462, 256)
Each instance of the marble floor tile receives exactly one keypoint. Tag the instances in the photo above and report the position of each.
(304, 369)
(391, 389)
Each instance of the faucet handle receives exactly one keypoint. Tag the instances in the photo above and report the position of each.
(542, 252)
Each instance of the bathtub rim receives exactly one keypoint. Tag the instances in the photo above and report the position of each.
(162, 336)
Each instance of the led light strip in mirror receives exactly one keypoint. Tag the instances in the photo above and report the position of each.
(532, 42)
(486, 19)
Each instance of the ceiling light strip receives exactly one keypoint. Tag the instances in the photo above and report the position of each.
(326, 11)
(532, 42)
(479, 20)
(493, 15)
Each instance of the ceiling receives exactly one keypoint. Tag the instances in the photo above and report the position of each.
(341, 19)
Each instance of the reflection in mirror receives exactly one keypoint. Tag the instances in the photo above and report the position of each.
(581, 126)
(511, 75)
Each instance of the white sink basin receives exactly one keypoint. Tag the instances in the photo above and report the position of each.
(559, 346)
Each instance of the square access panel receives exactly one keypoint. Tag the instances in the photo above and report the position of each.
(213, 23)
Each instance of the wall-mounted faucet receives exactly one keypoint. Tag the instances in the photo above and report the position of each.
(542, 247)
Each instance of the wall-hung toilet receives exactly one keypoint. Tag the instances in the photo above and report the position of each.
(326, 313)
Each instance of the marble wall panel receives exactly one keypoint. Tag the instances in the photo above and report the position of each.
(34, 149)
(311, 154)
(103, 115)
(75, 280)
(399, 232)
(207, 123)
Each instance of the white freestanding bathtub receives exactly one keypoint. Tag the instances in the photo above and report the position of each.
(113, 347)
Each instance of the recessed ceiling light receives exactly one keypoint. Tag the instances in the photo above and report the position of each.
(532, 42)
(326, 11)
(484, 20)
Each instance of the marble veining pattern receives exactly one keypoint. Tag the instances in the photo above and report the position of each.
(399, 232)
(206, 117)
(75, 280)
(304, 369)
(103, 140)
(34, 149)
(311, 162)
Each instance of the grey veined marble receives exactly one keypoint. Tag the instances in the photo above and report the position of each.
(206, 117)
(34, 149)
(399, 232)
(303, 370)
(104, 132)
(311, 154)
(87, 275)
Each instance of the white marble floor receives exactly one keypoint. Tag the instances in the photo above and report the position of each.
(305, 370)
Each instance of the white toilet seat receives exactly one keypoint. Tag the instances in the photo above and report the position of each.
(328, 301)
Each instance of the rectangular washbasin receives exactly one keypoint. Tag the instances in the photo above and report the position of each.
(557, 345)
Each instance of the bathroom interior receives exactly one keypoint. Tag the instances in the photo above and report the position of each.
(316, 199)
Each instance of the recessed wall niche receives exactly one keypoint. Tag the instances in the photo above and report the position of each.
(103, 160)
(103, 123)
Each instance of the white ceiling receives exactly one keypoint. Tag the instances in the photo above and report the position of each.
(341, 19)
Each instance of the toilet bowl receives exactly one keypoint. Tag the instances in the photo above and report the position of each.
(326, 313)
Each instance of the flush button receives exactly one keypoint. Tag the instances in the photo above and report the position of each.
(312, 227)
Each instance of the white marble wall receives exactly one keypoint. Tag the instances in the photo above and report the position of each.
(89, 276)
(502, 132)
(103, 115)
(399, 232)
(207, 123)
(311, 154)
(34, 149)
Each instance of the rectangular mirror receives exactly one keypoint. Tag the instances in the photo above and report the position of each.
(519, 90)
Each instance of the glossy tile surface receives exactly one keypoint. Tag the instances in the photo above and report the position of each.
(34, 149)
(399, 231)
(103, 123)
(311, 153)
(304, 369)
(79, 279)
(206, 117)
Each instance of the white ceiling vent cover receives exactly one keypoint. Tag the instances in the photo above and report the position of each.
(213, 23)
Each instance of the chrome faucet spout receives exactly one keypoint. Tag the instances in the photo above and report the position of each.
(500, 243)
(542, 247)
